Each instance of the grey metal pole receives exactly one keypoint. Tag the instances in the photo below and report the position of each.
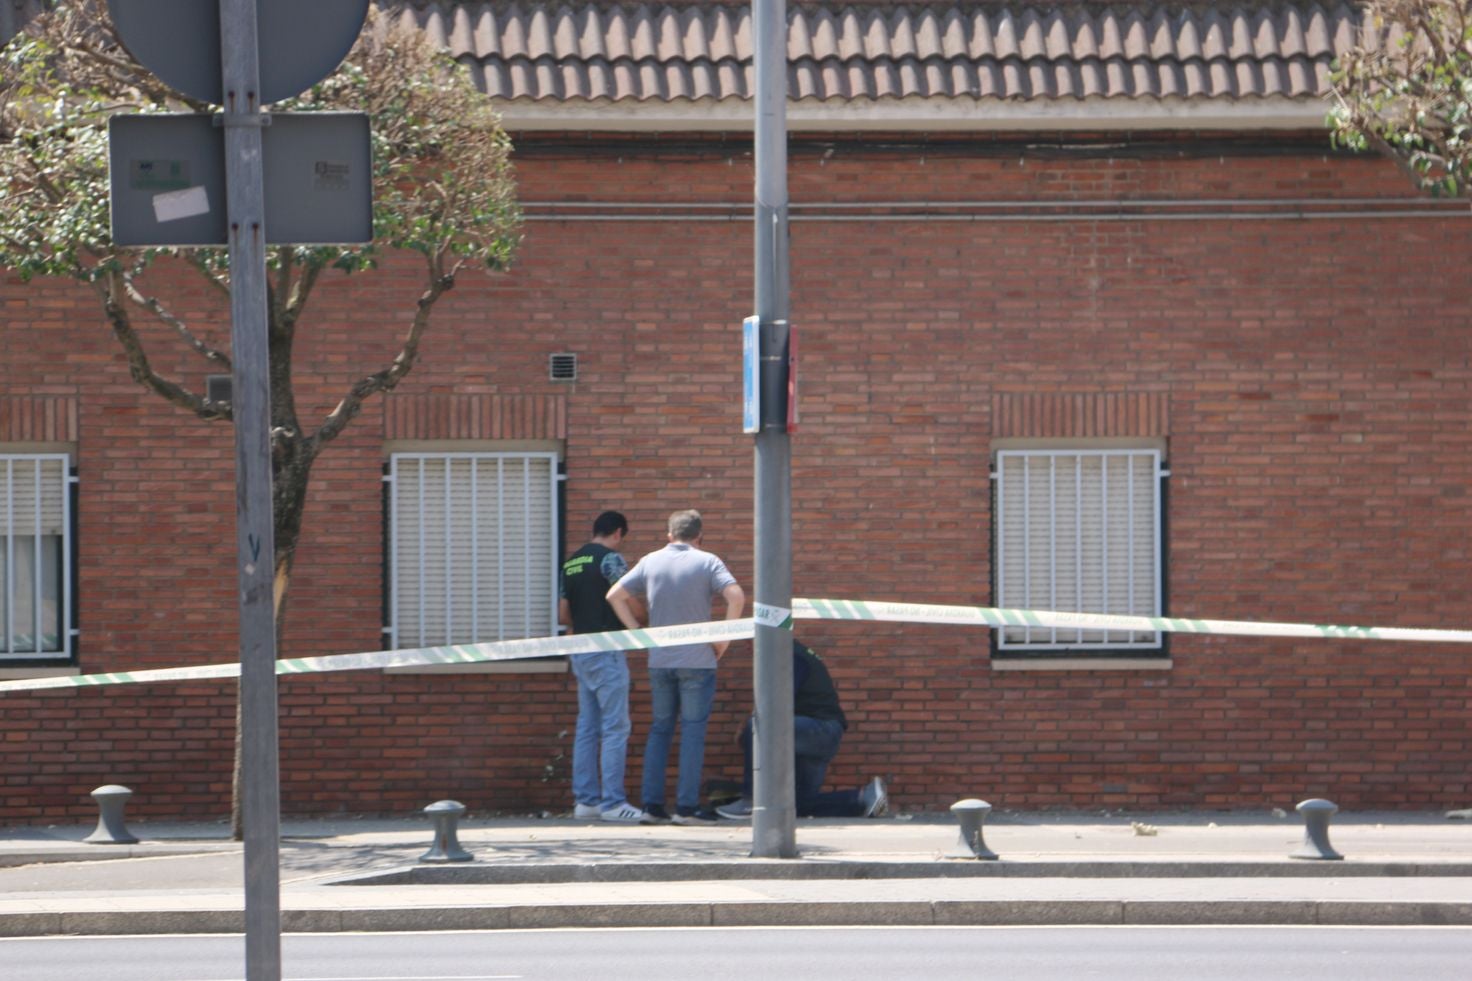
(251, 397)
(774, 815)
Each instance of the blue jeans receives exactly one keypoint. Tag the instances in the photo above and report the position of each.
(602, 738)
(685, 694)
(815, 743)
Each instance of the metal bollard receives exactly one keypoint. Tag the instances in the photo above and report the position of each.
(972, 813)
(1316, 813)
(111, 800)
(446, 848)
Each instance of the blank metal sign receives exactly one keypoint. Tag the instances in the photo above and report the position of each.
(167, 177)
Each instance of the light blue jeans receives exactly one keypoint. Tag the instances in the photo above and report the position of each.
(685, 694)
(602, 739)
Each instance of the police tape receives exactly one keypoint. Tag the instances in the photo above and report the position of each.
(728, 630)
(506, 650)
(986, 616)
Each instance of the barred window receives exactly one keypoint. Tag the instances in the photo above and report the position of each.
(35, 557)
(472, 547)
(1079, 530)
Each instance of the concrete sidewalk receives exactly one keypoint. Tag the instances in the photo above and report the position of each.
(553, 872)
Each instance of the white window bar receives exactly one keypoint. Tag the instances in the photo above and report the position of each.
(501, 549)
(1015, 591)
(475, 549)
(1078, 538)
(526, 545)
(1053, 599)
(9, 556)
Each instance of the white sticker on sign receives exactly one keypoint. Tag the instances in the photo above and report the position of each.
(174, 205)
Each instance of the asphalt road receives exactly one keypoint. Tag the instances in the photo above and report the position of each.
(930, 953)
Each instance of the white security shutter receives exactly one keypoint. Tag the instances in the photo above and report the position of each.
(35, 574)
(1078, 531)
(473, 542)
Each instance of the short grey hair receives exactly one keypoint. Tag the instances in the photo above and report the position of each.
(685, 526)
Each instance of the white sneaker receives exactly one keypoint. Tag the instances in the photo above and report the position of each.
(875, 798)
(586, 812)
(626, 813)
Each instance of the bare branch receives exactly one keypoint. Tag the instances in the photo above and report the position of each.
(311, 271)
(286, 259)
(195, 258)
(388, 378)
(155, 306)
(138, 364)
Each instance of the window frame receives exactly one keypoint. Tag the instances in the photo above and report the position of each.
(24, 661)
(537, 617)
(1054, 651)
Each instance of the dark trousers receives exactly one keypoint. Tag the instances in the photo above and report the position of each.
(816, 743)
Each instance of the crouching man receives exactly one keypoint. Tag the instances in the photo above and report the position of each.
(818, 725)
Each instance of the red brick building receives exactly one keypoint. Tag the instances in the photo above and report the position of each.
(1090, 315)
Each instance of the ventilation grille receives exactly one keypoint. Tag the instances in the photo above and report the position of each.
(217, 388)
(562, 367)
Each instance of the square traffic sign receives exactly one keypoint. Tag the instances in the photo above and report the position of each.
(168, 183)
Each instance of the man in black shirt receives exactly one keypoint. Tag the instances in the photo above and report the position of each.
(602, 738)
(818, 725)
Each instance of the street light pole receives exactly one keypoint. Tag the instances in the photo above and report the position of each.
(774, 813)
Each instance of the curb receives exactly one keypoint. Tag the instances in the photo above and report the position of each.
(476, 874)
(762, 913)
(112, 853)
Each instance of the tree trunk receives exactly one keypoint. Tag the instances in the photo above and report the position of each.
(289, 501)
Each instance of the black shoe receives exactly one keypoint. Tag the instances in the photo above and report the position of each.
(689, 815)
(657, 814)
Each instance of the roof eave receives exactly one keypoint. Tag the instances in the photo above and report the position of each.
(923, 115)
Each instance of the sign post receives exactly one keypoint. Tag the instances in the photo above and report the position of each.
(179, 40)
(260, 790)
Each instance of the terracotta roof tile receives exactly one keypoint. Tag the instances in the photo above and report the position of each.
(590, 51)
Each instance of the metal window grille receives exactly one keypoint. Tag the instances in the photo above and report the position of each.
(35, 557)
(472, 547)
(1078, 531)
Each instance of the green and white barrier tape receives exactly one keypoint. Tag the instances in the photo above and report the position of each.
(802, 609)
(507, 650)
(987, 616)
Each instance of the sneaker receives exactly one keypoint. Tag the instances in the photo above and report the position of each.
(626, 813)
(656, 814)
(586, 812)
(874, 798)
(689, 816)
(737, 810)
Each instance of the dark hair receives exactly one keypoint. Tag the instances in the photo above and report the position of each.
(609, 522)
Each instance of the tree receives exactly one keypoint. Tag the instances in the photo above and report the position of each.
(1406, 90)
(442, 187)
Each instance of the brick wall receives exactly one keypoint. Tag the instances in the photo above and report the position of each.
(1306, 363)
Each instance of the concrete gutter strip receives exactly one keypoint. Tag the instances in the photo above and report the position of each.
(473, 874)
(1055, 912)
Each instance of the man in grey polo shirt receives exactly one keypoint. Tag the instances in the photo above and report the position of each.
(678, 584)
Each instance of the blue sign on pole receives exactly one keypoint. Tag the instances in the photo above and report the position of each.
(751, 356)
